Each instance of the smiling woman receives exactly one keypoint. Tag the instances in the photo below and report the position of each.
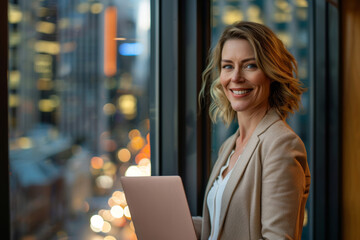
(262, 169)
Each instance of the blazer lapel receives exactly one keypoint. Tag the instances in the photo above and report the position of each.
(228, 146)
(221, 161)
(241, 164)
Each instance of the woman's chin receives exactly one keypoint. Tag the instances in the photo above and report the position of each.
(238, 108)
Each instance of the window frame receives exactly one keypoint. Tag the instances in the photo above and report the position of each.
(326, 116)
(179, 51)
(4, 146)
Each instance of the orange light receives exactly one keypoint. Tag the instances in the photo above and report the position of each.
(140, 156)
(137, 143)
(111, 202)
(146, 150)
(110, 25)
(148, 138)
(124, 155)
(97, 162)
(120, 196)
(107, 215)
(134, 133)
(119, 222)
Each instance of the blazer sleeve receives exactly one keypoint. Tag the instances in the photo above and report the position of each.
(285, 188)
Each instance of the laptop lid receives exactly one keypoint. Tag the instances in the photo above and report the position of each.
(158, 208)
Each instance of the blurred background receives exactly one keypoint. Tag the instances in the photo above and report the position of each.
(78, 115)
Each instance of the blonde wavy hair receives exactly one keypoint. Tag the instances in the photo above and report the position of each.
(271, 57)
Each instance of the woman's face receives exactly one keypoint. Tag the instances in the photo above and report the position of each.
(245, 85)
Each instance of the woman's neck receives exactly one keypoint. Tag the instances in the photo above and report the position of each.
(248, 121)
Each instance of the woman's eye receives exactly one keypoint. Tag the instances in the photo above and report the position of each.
(227, 66)
(250, 66)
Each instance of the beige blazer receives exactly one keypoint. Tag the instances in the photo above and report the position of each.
(266, 193)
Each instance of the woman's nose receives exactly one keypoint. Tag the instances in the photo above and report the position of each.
(237, 76)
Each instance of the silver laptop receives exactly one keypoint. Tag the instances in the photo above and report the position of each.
(159, 208)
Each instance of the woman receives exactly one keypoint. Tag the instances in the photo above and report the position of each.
(260, 183)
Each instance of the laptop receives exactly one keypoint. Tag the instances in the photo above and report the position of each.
(158, 208)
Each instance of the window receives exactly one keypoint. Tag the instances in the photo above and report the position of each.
(78, 115)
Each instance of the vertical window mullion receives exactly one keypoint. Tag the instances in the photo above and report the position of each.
(4, 150)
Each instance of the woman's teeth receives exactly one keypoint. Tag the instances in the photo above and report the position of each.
(241, 91)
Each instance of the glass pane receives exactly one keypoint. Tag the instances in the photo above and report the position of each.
(289, 19)
(78, 115)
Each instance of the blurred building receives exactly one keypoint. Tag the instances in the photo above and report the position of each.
(69, 115)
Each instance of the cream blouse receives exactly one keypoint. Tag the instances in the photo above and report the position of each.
(214, 199)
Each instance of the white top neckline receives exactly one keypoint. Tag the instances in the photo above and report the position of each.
(214, 198)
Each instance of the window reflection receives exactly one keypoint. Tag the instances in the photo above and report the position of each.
(78, 115)
(290, 21)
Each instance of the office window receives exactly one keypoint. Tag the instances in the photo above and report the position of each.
(78, 115)
(289, 19)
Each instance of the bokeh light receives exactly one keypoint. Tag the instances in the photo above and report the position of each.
(46, 105)
(117, 211)
(97, 221)
(45, 27)
(106, 227)
(232, 15)
(97, 162)
(124, 155)
(112, 202)
(119, 222)
(104, 181)
(137, 143)
(133, 171)
(94, 229)
(134, 133)
(109, 109)
(120, 198)
(127, 212)
(144, 162)
(96, 8)
(127, 105)
(25, 143)
(109, 168)
(15, 14)
(140, 156)
(107, 215)
(109, 238)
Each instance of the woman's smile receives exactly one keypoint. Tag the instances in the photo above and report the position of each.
(242, 92)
